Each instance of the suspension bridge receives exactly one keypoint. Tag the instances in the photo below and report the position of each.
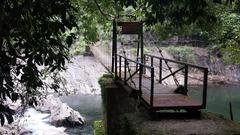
(149, 74)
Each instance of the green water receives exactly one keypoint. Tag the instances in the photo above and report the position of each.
(218, 98)
(89, 106)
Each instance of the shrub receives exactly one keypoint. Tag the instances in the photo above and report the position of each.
(182, 53)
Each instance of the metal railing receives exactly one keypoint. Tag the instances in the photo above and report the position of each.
(185, 68)
(126, 72)
(123, 68)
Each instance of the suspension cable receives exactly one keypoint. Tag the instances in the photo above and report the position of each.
(169, 68)
(129, 70)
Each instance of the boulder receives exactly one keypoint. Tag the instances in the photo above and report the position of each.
(66, 116)
(60, 113)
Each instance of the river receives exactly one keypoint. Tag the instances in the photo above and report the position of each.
(219, 97)
(90, 108)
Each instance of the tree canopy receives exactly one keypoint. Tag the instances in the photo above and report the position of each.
(31, 35)
(216, 21)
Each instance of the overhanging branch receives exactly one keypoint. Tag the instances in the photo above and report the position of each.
(108, 16)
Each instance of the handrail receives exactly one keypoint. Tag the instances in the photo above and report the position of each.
(140, 71)
(171, 74)
(186, 68)
(147, 66)
(178, 62)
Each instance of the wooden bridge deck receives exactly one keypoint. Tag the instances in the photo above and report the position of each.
(164, 96)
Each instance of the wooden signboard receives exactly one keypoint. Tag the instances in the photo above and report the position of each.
(130, 27)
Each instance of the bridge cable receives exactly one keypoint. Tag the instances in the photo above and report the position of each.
(129, 70)
(180, 89)
(169, 68)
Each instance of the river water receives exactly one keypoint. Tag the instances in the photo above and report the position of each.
(219, 97)
(89, 107)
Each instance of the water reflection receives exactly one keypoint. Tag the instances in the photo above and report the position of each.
(218, 99)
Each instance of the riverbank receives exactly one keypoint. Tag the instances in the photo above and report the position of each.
(122, 115)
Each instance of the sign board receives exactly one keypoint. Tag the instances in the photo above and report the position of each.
(130, 27)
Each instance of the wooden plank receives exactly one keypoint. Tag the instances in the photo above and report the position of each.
(171, 100)
(146, 85)
(164, 96)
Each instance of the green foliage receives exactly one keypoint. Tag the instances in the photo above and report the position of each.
(192, 25)
(178, 12)
(105, 79)
(134, 50)
(78, 48)
(227, 36)
(165, 30)
(182, 53)
(31, 36)
(98, 128)
(215, 21)
(231, 53)
(228, 27)
(93, 18)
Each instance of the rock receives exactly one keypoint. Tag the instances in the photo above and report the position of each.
(65, 116)
(82, 75)
(26, 132)
(60, 113)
